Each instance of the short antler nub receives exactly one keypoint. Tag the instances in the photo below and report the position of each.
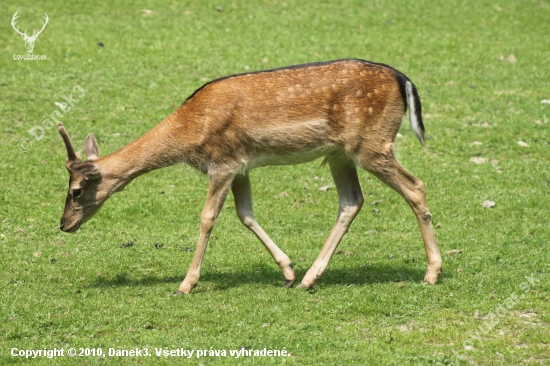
(71, 155)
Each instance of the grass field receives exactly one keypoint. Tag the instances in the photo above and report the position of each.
(482, 69)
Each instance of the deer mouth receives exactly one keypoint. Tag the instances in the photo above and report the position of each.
(70, 229)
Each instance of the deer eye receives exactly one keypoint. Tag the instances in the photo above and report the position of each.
(76, 193)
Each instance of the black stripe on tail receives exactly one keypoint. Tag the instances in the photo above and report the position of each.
(416, 123)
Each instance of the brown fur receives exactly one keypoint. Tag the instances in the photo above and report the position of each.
(348, 111)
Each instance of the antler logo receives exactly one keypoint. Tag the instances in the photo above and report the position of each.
(29, 40)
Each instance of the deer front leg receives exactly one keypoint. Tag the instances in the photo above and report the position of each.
(243, 204)
(350, 196)
(217, 191)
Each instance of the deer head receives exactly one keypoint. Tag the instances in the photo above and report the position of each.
(86, 192)
(29, 40)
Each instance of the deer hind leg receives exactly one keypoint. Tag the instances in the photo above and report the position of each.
(350, 197)
(383, 165)
(217, 191)
(243, 204)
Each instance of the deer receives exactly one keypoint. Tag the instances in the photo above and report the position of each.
(29, 40)
(347, 111)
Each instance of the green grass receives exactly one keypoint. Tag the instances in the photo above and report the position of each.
(84, 290)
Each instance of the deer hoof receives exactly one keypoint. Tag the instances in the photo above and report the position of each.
(289, 283)
(432, 276)
(177, 293)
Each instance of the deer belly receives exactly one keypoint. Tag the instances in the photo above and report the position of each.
(290, 158)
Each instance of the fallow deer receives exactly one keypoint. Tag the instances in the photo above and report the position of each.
(347, 111)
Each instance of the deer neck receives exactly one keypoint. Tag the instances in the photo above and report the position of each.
(156, 149)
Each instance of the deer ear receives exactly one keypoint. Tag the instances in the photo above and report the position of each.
(86, 170)
(90, 147)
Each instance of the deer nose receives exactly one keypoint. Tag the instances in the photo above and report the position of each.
(62, 224)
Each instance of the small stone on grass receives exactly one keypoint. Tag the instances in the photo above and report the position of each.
(478, 160)
(488, 204)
